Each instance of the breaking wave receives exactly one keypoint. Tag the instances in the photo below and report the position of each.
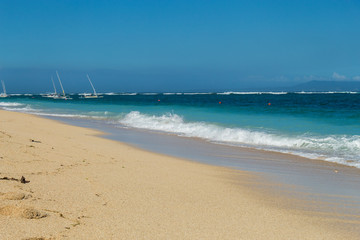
(10, 104)
(251, 93)
(343, 149)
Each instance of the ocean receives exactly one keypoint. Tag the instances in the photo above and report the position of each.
(322, 126)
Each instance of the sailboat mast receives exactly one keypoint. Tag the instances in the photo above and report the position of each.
(60, 84)
(53, 85)
(3, 85)
(91, 84)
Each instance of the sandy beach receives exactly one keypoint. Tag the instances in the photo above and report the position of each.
(78, 185)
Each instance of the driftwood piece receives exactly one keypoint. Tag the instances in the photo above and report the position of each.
(22, 179)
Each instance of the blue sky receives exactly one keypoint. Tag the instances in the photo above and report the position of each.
(177, 45)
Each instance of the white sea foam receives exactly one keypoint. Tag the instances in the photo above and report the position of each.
(66, 115)
(21, 94)
(330, 92)
(149, 93)
(316, 147)
(10, 104)
(63, 115)
(173, 93)
(118, 94)
(27, 108)
(15, 107)
(198, 93)
(252, 93)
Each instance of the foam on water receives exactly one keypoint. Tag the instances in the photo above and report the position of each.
(172, 93)
(10, 104)
(26, 109)
(342, 149)
(67, 115)
(247, 93)
(199, 93)
(346, 92)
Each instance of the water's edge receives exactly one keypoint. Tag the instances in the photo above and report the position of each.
(314, 176)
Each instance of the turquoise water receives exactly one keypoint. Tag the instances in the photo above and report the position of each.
(323, 126)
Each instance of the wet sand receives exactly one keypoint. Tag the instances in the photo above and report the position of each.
(85, 187)
(312, 180)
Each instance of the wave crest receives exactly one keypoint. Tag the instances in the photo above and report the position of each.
(10, 104)
(343, 147)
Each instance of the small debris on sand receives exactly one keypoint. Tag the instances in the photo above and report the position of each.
(22, 179)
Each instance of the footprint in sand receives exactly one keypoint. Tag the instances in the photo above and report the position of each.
(14, 196)
(37, 238)
(24, 212)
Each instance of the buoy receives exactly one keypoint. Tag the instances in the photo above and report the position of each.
(269, 104)
(219, 102)
(158, 100)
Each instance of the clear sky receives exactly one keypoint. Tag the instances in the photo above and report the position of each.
(178, 45)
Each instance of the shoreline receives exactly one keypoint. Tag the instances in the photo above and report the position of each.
(86, 186)
(288, 169)
(109, 135)
(314, 152)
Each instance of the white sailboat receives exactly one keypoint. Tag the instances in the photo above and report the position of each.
(54, 94)
(3, 95)
(63, 96)
(89, 95)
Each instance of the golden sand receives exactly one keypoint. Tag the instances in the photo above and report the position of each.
(84, 187)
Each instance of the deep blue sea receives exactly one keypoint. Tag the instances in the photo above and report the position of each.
(324, 126)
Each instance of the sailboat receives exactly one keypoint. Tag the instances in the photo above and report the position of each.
(54, 94)
(90, 95)
(63, 96)
(3, 95)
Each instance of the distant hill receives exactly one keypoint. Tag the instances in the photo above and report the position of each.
(319, 86)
